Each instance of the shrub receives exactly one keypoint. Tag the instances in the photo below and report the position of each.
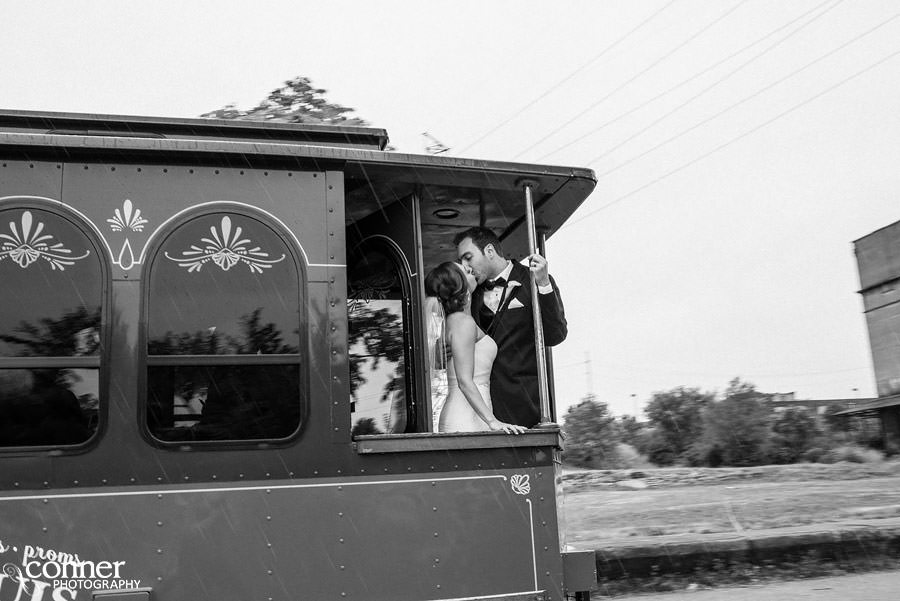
(852, 454)
(628, 457)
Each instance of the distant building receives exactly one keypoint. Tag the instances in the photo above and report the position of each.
(782, 401)
(878, 261)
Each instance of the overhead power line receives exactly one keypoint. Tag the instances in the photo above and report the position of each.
(698, 74)
(569, 76)
(650, 67)
(738, 103)
(733, 140)
(747, 98)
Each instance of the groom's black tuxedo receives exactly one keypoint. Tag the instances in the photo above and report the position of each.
(514, 379)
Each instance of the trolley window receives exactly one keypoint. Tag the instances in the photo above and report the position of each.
(51, 301)
(224, 331)
(378, 342)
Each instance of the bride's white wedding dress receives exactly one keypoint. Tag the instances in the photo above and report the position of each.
(457, 414)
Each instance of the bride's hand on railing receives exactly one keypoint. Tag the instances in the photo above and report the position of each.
(496, 425)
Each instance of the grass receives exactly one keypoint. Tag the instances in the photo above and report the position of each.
(606, 508)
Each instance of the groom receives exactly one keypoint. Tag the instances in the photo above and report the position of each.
(502, 307)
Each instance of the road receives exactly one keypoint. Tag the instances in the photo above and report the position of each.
(875, 586)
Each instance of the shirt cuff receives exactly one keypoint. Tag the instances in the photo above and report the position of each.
(545, 289)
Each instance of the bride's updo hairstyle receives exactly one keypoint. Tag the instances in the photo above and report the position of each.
(447, 283)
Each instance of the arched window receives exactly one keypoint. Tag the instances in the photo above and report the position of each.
(225, 330)
(51, 306)
(378, 312)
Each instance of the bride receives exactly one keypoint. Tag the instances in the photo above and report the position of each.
(468, 405)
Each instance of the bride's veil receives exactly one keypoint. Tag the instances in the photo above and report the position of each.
(435, 327)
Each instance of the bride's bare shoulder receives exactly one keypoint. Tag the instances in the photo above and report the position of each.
(460, 321)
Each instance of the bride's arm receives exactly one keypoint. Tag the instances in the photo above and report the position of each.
(462, 334)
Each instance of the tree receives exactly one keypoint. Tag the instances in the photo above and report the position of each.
(675, 416)
(630, 430)
(793, 432)
(297, 101)
(590, 434)
(735, 430)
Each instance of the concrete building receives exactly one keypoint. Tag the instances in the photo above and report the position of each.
(878, 261)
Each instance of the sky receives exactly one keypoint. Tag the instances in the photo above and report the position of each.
(740, 146)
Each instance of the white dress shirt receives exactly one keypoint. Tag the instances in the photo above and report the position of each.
(492, 297)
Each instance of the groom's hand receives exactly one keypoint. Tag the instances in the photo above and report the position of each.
(538, 266)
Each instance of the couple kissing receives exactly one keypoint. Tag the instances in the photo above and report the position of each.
(492, 373)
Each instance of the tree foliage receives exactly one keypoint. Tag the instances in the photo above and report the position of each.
(675, 416)
(794, 432)
(296, 101)
(735, 430)
(591, 434)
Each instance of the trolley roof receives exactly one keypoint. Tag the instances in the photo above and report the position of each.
(454, 193)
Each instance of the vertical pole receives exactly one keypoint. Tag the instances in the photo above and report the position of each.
(540, 347)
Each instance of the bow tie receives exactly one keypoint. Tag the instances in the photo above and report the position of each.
(498, 283)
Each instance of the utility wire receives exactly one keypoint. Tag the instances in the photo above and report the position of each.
(622, 86)
(733, 140)
(684, 82)
(569, 76)
(715, 84)
(743, 100)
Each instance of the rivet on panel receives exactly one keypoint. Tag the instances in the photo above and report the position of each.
(269, 518)
(44, 529)
(159, 523)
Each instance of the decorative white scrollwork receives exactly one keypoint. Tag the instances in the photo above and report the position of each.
(520, 484)
(129, 219)
(26, 246)
(14, 574)
(226, 251)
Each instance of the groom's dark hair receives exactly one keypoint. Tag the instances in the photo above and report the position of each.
(481, 237)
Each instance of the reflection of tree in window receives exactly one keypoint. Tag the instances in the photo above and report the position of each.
(377, 344)
(258, 339)
(223, 336)
(50, 313)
